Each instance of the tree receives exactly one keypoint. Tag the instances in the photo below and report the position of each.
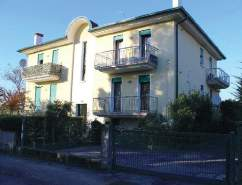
(238, 92)
(192, 113)
(13, 100)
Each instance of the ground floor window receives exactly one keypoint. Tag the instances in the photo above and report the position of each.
(81, 111)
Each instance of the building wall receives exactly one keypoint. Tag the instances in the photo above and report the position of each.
(64, 85)
(191, 74)
(162, 79)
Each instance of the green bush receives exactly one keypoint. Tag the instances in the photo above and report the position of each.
(192, 113)
(231, 111)
(10, 123)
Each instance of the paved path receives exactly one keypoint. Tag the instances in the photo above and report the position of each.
(19, 171)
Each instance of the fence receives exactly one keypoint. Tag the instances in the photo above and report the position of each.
(189, 155)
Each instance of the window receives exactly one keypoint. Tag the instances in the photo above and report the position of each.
(40, 59)
(202, 89)
(53, 90)
(84, 54)
(81, 111)
(201, 56)
(55, 57)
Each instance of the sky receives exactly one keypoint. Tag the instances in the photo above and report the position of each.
(20, 19)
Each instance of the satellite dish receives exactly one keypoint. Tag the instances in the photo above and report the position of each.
(22, 63)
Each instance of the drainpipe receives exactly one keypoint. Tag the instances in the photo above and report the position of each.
(177, 55)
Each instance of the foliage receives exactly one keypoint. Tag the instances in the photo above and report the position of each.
(238, 92)
(58, 109)
(13, 100)
(96, 132)
(231, 111)
(155, 121)
(192, 113)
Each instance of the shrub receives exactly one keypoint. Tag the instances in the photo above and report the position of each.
(231, 111)
(192, 113)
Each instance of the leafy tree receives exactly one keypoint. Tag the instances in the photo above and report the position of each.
(238, 93)
(192, 113)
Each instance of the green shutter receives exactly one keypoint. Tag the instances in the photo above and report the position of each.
(145, 32)
(118, 37)
(144, 78)
(117, 80)
(55, 57)
(53, 89)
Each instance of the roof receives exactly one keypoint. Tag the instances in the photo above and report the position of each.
(171, 11)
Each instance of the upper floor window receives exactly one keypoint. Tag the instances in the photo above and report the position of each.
(84, 56)
(145, 40)
(201, 56)
(40, 59)
(55, 56)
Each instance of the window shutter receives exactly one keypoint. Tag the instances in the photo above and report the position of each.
(118, 37)
(55, 57)
(144, 78)
(117, 80)
(53, 89)
(145, 32)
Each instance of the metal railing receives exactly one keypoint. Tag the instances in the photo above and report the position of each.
(218, 74)
(127, 56)
(42, 69)
(125, 105)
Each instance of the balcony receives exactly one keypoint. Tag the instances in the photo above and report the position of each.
(217, 78)
(125, 107)
(42, 73)
(129, 59)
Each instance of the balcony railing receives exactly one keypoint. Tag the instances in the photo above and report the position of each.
(217, 78)
(135, 58)
(42, 73)
(128, 106)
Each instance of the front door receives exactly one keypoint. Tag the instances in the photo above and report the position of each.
(144, 96)
(117, 96)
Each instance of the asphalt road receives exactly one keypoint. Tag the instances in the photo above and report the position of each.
(19, 171)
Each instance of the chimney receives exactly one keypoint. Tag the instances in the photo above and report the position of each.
(38, 38)
(176, 3)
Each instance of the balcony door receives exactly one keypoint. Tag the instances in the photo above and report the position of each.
(116, 95)
(144, 93)
(118, 40)
(145, 40)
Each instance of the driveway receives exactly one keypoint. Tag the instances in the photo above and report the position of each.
(19, 171)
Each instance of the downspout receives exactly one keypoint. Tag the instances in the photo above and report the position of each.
(177, 56)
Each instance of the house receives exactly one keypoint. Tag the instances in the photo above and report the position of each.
(126, 69)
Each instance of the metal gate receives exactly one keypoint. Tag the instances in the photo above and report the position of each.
(189, 155)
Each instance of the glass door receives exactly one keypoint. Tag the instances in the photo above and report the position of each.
(117, 97)
(145, 41)
(117, 51)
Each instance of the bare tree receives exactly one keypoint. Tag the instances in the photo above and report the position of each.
(13, 100)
